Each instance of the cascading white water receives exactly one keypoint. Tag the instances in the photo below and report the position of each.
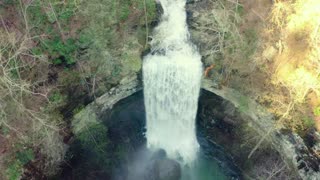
(171, 77)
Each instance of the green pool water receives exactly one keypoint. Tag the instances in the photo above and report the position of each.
(203, 169)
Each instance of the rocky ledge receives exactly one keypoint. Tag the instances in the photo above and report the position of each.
(301, 157)
(305, 160)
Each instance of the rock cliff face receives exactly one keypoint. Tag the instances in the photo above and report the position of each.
(290, 146)
(302, 157)
(93, 111)
(205, 27)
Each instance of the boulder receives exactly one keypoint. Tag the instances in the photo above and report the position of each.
(167, 169)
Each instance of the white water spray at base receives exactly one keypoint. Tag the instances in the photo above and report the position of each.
(171, 78)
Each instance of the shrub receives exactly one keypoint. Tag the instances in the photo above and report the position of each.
(15, 168)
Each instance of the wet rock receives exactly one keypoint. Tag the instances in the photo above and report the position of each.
(93, 112)
(291, 146)
(167, 169)
(295, 152)
(154, 166)
(316, 145)
(159, 154)
(192, 1)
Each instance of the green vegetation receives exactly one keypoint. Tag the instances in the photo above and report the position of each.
(22, 157)
(308, 122)
(243, 104)
(56, 56)
(4, 130)
(54, 19)
(316, 111)
(239, 9)
(14, 170)
(251, 40)
(95, 144)
(113, 35)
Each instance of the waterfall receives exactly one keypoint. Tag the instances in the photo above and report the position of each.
(171, 78)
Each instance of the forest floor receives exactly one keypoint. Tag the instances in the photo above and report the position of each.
(269, 55)
(284, 47)
(55, 58)
(269, 52)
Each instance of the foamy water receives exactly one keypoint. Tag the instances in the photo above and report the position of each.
(171, 78)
